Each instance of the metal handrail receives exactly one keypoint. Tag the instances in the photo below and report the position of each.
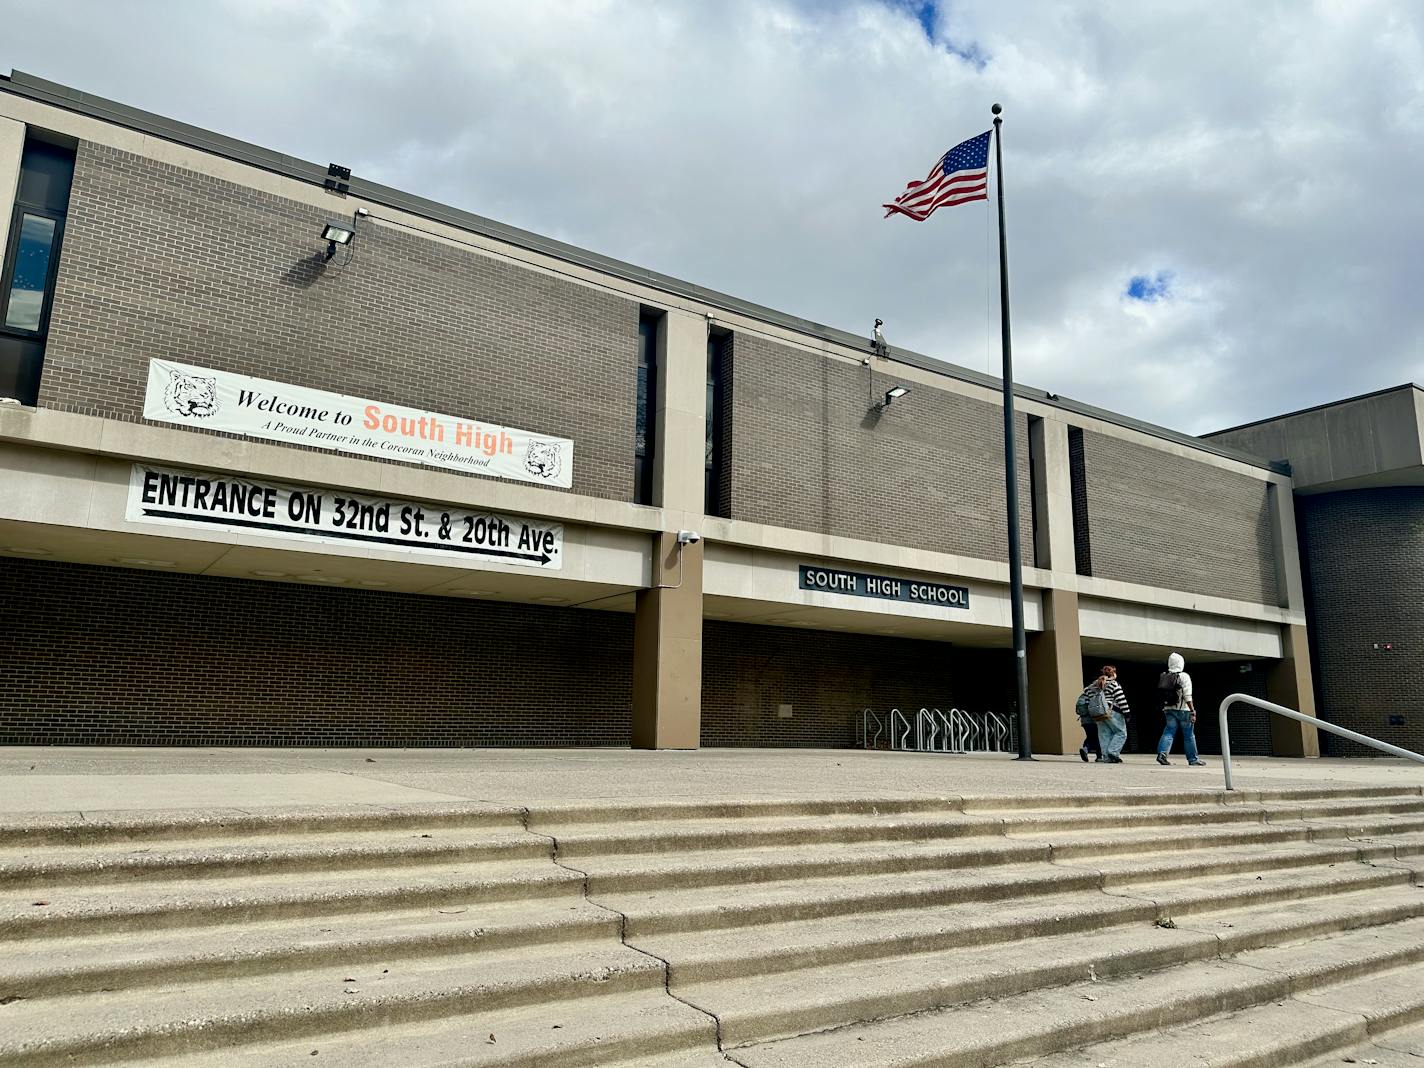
(1354, 736)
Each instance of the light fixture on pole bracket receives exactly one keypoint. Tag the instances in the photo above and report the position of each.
(894, 393)
(337, 233)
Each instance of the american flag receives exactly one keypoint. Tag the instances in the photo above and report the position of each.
(958, 177)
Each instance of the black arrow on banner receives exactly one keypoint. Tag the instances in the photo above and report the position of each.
(349, 535)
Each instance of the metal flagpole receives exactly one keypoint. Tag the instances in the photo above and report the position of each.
(1011, 471)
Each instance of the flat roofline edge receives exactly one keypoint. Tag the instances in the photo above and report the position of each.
(20, 83)
(1317, 408)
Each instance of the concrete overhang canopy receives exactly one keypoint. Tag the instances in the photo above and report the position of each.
(1362, 442)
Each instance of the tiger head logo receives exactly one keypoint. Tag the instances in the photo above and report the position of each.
(191, 396)
(542, 459)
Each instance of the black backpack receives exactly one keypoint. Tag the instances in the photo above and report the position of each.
(1169, 687)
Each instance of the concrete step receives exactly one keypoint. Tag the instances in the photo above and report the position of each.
(1195, 863)
(1401, 1047)
(156, 825)
(630, 873)
(312, 852)
(596, 840)
(121, 961)
(1131, 840)
(1202, 793)
(711, 956)
(736, 953)
(1344, 808)
(625, 874)
(1046, 1020)
(640, 1029)
(1354, 1013)
(1176, 897)
(1315, 793)
(632, 814)
(146, 906)
(838, 993)
(1270, 874)
(668, 911)
(1267, 1036)
(195, 1015)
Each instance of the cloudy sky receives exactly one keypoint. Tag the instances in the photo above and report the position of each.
(1216, 210)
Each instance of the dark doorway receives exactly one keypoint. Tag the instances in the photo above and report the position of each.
(1211, 683)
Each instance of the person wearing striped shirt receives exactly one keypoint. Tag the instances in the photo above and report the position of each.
(1112, 732)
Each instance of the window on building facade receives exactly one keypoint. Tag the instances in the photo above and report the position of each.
(1078, 479)
(645, 433)
(715, 444)
(31, 263)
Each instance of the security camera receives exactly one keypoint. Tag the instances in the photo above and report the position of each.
(362, 213)
(688, 537)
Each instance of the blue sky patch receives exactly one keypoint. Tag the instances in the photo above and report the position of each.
(1150, 288)
(926, 13)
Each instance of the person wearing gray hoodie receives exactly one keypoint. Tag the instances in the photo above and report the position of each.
(1175, 692)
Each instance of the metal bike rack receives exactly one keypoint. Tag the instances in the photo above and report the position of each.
(867, 740)
(900, 730)
(931, 730)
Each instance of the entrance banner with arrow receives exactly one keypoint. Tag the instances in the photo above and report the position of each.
(336, 517)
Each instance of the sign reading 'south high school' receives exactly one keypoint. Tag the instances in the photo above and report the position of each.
(858, 584)
(336, 517)
(257, 408)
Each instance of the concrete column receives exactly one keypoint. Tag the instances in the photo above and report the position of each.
(1055, 656)
(679, 456)
(1289, 683)
(1055, 675)
(667, 631)
(1287, 546)
(1053, 496)
(667, 650)
(12, 148)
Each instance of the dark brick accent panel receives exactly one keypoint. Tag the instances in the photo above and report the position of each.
(809, 452)
(1078, 485)
(1165, 520)
(1364, 573)
(827, 678)
(163, 262)
(104, 656)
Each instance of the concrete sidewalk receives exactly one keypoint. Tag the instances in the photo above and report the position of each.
(70, 779)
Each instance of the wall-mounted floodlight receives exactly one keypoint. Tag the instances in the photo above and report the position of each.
(894, 393)
(335, 233)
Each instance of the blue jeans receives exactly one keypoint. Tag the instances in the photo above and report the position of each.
(1112, 733)
(1179, 717)
(1090, 736)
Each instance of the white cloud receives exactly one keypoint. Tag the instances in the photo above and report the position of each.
(1267, 155)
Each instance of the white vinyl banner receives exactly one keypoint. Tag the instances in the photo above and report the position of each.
(257, 408)
(336, 517)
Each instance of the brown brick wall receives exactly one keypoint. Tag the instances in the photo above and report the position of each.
(1363, 553)
(1165, 520)
(104, 656)
(808, 453)
(827, 678)
(163, 262)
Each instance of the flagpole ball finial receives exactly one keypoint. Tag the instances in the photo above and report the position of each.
(996, 109)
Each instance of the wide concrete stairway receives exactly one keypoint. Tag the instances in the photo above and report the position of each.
(1147, 929)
